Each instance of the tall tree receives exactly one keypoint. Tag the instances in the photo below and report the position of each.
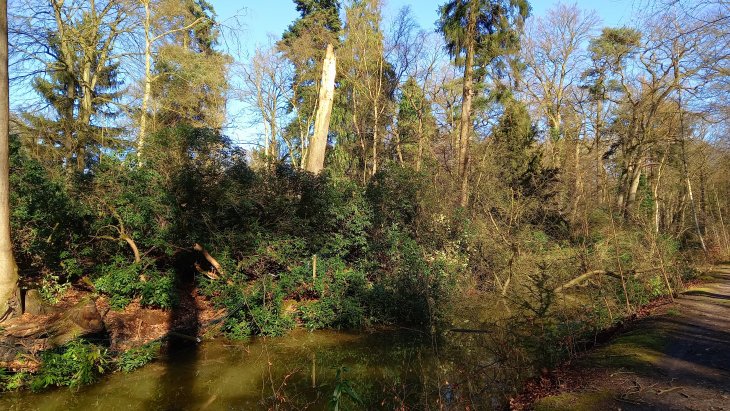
(318, 144)
(8, 268)
(266, 90)
(370, 78)
(305, 44)
(416, 123)
(77, 49)
(163, 20)
(479, 34)
(191, 82)
(555, 58)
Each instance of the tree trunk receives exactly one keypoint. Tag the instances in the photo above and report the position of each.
(685, 170)
(633, 188)
(375, 137)
(133, 246)
(8, 268)
(722, 224)
(147, 80)
(419, 157)
(655, 193)
(692, 200)
(465, 126)
(318, 144)
(23, 337)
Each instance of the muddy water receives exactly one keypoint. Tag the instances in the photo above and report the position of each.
(385, 369)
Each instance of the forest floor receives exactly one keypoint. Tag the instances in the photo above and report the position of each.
(677, 358)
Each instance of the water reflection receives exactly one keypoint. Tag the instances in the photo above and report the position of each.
(387, 370)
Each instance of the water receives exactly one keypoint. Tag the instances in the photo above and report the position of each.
(385, 369)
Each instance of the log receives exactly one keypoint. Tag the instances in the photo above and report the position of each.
(583, 277)
(469, 331)
(29, 334)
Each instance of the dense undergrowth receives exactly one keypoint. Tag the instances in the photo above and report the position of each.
(294, 249)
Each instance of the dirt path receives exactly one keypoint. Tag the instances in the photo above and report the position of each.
(676, 360)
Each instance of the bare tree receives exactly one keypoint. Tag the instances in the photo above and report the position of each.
(555, 59)
(266, 90)
(369, 76)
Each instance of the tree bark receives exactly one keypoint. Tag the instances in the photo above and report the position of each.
(8, 267)
(133, 246)
(318, 144)
(147, 79)
(467, 92)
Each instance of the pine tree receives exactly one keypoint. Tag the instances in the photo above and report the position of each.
(478, 34)
(416, 123)
(80, 86)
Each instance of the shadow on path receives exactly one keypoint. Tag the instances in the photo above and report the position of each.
(690, 372)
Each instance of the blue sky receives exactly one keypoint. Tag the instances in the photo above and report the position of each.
(261, 18)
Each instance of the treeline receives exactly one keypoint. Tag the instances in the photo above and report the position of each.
(513, 156)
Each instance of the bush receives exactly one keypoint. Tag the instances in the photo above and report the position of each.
(336, 298)
(12, 381)
(253, 310)
(121, 282)
(135, 358)
(408, 288)
(76, 364)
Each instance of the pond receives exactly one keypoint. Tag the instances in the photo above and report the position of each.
(385, 369)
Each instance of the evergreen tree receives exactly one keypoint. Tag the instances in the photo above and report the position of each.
(479, 35)
(416, 123)
(191, 75)
(80, 86)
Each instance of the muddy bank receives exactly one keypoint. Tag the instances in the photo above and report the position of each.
(84, 314)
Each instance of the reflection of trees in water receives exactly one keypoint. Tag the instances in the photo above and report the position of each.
(386, 369)
(389, 369)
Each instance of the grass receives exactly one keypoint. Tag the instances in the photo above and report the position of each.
(638, 349)
(673, 312)
(576, 402)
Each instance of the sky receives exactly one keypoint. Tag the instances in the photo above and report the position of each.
(256, 20)
(261, 17)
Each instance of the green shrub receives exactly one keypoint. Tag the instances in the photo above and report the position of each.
(237, 329)
(270, 321)
(408, 288)
(335, 298)
(136, 357)
(253, 310)
(77, 363)
(13, 381)
(121, 282)
(159, 290)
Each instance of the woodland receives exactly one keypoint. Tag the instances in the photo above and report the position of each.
(546, 175)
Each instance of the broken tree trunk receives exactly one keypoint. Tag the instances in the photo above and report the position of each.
(318, 143)
(209, 258)
(577, 281)
(30, 334)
